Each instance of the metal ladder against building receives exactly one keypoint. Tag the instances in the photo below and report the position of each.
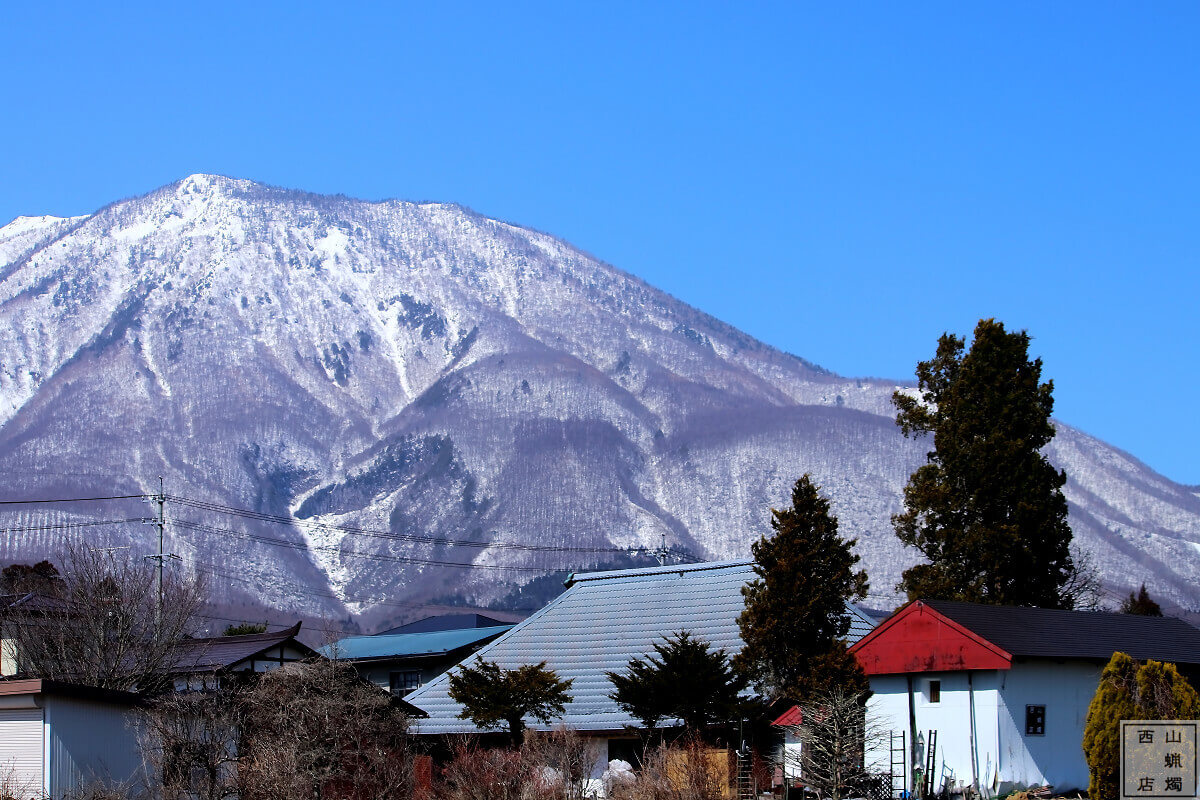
(930, 764)
(745, 777)
(898, 760)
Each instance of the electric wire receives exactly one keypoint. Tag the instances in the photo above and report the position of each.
(355, 530)
(72, 500)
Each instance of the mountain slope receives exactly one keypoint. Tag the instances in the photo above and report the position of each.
(426, 374)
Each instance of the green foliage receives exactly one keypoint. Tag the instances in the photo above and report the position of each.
(795, 621)
(1128, 691)
(1141, 604)
(245, 629)
(492, 696)
(987, 509)
(684, 680)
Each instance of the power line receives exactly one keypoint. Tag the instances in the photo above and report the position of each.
(358, 530)
(71, 500)
(60, 526)
(303, 546)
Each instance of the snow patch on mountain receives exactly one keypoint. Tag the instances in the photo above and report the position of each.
(451, 389)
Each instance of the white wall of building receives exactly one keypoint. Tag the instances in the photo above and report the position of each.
(1006, 757)
(21, 750)
(950, 715)
(1056, 757)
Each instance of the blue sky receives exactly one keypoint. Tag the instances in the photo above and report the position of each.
(845, 181)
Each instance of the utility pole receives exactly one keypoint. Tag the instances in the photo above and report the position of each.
(162, 524)
(161, 557)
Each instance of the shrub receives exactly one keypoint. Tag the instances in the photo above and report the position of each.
(1128, 690)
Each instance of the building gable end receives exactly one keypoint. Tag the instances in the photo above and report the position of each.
(918, 638)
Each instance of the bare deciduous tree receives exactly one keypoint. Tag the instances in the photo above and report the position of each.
(836, 735)
(564, 760)
(190, 743)
(315, 729)
(106, 623)
(494, 773)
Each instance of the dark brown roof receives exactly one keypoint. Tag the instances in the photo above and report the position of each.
(30, 602)
(1096, 635)
(220, 652)
(36, 686)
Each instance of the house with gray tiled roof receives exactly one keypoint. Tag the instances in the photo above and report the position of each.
(603, 620)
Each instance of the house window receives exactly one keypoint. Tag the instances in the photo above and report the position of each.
(935, 691)
(404, 682)
(1035, 720)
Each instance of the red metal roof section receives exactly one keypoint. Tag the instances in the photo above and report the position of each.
(919, 639)
(790, 718)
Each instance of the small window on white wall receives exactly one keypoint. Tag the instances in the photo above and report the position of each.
(935, 691)
(1035, 720)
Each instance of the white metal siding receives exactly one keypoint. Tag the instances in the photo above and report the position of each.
(1056, 757)
(21, 751)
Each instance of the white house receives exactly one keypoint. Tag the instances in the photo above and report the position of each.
(56, 738)
(1006, 689)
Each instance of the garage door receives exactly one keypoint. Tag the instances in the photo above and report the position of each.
(21, 752)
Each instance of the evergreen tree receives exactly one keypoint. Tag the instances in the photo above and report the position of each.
(987, 509)
(492, 696)
(795, 621)
(1128, 691)
(1141, 604)
(684, 680)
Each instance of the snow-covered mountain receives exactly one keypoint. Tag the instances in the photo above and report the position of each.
(423, 374)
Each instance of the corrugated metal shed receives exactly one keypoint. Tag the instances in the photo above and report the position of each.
(602, 621)
(431, 643)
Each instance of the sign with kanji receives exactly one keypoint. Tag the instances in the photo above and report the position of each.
(1158, 759)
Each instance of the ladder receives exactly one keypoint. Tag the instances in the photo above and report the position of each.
(745, 778)
(930, 765)
(898, 769)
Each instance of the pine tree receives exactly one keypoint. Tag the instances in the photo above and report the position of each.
(1142, 604)
(684, 679)
(1128, 691)
(987, 509)
(795, 621)
(492, 696)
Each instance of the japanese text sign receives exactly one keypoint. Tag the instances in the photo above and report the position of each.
(1158, 759)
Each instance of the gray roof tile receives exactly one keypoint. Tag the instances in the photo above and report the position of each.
(602, 621)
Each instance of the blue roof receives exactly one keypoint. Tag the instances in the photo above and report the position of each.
(601, 622)
(398, 645)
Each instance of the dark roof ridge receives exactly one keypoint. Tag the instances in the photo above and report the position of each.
(1064, 633)
(285, 633)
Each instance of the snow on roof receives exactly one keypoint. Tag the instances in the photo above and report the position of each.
(601, 622)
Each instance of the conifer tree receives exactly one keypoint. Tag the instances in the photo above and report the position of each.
(987, 509)
(1128, 691)
(1142, 604)
(492, 696)
(683, 679)
(795, 621)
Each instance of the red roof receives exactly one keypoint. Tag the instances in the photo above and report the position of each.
(919, 638)
(944, 636)
(790, 718)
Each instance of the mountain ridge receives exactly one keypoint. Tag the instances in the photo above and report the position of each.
(422, 368)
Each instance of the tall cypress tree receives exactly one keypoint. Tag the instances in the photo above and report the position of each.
(795, 621)
(987, 509)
